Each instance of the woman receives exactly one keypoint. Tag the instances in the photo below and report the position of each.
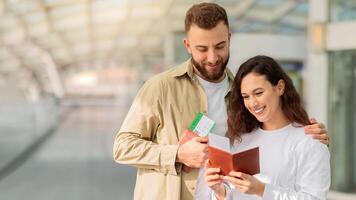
(266, 111)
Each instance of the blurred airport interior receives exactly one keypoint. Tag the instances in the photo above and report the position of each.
(69, 70)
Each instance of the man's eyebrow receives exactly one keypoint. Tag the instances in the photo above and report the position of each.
(220, 43)
(203, 46)
(200, 46)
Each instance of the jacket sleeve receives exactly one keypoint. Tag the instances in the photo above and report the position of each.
(313, 175)
(134, 144)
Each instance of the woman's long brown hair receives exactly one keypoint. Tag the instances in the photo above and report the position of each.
(240, 120)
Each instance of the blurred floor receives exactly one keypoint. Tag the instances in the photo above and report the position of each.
(75, 162)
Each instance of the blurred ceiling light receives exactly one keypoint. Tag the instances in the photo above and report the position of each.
(318, 37)
(14, 36)
(127, 42)
(85, 79)
(109, 15)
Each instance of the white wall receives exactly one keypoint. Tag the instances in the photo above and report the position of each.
(280, 47)
(341, 36)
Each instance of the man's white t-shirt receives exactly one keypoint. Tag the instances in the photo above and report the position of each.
(215, 93)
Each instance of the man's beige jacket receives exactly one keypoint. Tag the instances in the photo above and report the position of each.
(149, 136)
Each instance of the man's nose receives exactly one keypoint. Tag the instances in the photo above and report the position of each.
(212, 57)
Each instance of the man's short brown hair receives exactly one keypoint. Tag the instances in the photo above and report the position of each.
(205, 16)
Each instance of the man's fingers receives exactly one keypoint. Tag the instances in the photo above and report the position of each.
(315, 130)
(320, 136)
(313, 120)
(325, 142)
(318, 131)
(186, 169)
(323, 138)
(312, 126)
(201, 139)
(315, 125)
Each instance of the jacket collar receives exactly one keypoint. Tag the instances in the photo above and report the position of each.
(184, 68)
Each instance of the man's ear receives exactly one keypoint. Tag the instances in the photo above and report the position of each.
(281, 87)
(187, 45)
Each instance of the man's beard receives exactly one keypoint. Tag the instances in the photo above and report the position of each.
(211, 77)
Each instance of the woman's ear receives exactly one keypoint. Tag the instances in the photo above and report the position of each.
(281, 87)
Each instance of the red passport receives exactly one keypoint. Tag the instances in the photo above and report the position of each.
(245, 161)
(188, 135)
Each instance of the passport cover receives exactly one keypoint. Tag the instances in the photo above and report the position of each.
(245, 161)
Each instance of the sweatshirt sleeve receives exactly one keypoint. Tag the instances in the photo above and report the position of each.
(312, 178)
(228, 190)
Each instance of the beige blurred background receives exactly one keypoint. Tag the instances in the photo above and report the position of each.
(69, 70)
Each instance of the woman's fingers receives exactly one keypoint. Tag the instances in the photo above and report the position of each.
(207, 165)
(212, 184)
(240, 175)
(213, 178)
(236, 181)
(210, 171)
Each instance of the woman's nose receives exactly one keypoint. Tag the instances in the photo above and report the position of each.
(253, 102)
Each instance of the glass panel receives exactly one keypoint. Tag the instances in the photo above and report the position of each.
(342, 10)
(269, 3)
(294, 71)
(22, 122)
(180, 53)
(353, 120)
(342, 118)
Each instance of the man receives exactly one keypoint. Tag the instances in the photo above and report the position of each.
(167, 103)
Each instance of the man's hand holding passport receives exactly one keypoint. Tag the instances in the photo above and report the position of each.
(219, 154)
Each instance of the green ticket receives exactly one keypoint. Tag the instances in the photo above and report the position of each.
(202, 125)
